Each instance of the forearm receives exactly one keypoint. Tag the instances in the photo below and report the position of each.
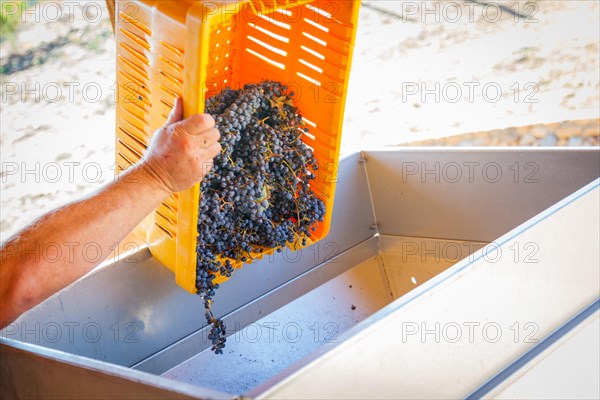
(62, 246)
(66, 244)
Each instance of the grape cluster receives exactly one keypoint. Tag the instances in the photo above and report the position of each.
(257, 196)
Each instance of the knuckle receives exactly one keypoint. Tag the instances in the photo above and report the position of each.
(211, 136)
(203, 120)
(186, 144)
(177, 128)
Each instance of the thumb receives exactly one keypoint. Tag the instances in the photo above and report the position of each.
(176, 113)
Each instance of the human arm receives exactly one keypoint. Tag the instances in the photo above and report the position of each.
(62, 245)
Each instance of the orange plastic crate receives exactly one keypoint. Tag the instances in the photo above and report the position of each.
(195, 49)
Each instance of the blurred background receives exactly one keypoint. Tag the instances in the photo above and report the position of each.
(464, 73)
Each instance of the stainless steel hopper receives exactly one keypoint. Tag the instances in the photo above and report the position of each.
(445, 273)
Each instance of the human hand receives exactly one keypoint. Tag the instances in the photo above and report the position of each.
(182, 151)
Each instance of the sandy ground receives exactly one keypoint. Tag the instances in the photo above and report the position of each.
(411, 80)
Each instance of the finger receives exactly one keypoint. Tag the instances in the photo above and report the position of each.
(198, 123)
(176, 113)
(209, 137)
(213, 150)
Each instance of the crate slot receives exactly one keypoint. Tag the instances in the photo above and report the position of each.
(316, 25)
(279, 32)
(329, 79)
(308, 78)
(323, 151)
(133, 137)
(318, 10)
(164, 110)
(136, 153)
(125, 106)
(141, 87)
(167, 104)
(137, 39)
(266, 59)
(275, 22)
(323, 119)
(331, 55)
(315, 39)
(329, 69)
(121, 121)
(282, 3)
(131, 78)
(321, 133)
(319, 149)
(268, 42)
(177, 69)
(170, 234)
(332, 26)
(136, 23)
(135, 53)
(309, 122)
(174, 50)
(319, 59)
(309, 135)
(319, 14)
(174, 80)
(267, 32)
(337, 40)
(313, 52)
(171, 203)
(166, 219)
(168, 211)
(128, 161)
(268, 46)
(133, 45)
(317, 186)
(168, 91)
(132, 96)
(340, 44)
(135, 67)
(136, 96)
(286, 15)
(311, 66)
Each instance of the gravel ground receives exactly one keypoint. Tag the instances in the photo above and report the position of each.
(543, 59)
(584, 132)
